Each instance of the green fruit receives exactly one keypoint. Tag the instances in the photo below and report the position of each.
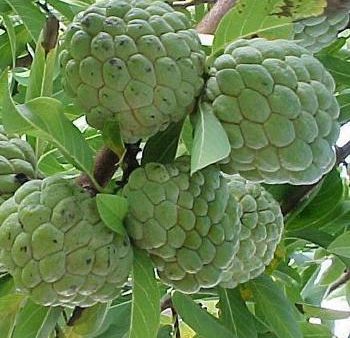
(316, 33)
(261, 231)
(55, 245)
(188, 223)
(276, 103)
(17, 162)
(135, 62)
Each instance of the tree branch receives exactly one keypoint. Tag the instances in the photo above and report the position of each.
(187, 3)
(304, 190)
(105, 166)
(342, 152)
(210, 22)
(340, 282)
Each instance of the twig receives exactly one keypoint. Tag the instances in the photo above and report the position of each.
(77, 312)
(304, 190)
(105, 166)
(130, 162)
(187, 3)
(342, 152)
(340, 282)
(210, 22)
(293, 201)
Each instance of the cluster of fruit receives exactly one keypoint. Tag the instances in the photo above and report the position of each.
(140, 64)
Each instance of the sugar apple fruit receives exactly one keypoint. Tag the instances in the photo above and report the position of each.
(16, 158)
(188, 224)
(276, 103)
(261, 231)
(316, 33)
(135, 62)
(56, 247)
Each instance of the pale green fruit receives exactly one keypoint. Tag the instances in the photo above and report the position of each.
(17, 162)
(188, 224)
(276, 104)
(316, 33)
(135, 62)
(261, 231)
(55, 245)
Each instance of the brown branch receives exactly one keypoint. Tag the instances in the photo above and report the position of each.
(342, 152)
(294, 200)
(187, 3)
(77, 312)
(105, 166)
(340, 282)
(304, 190)
(210, 22)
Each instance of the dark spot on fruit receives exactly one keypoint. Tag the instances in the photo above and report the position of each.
(148, 70)
(54, 240)
(88, 261)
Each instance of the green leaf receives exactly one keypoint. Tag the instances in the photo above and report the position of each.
(252, 17)
(9, 307)
(22, 38)
(12, 37)
(339, 68)
(341, 245)
(344, 103)
(11, 119)
(117, 322)
(315, 331)
(31, 16)
(277, 310)
(67, 10)
(145, 316)
(235, 315)
(205, 325)
(316, 212)
(36, 321)
(45, 115)
(91, 319)
(162, 147)
(112, 210)
(210, 143)
(325, 314)
(49, 164)
(332, 272)
(165, 331)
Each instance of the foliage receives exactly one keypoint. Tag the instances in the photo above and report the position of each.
(312, 263)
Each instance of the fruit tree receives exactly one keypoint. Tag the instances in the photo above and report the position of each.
(174, 168)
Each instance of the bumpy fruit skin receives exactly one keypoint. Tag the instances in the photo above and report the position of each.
(261, 231)
(56, 247)
(188, 224)
(276, 103)
(135, 62)
(16, 158)
(316, 33)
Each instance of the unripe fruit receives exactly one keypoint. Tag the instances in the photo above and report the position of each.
(55, 245)
(316, 33)
(261, 231)
(17, 162)
(188, 224)
(135, 62)
(276, 104)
